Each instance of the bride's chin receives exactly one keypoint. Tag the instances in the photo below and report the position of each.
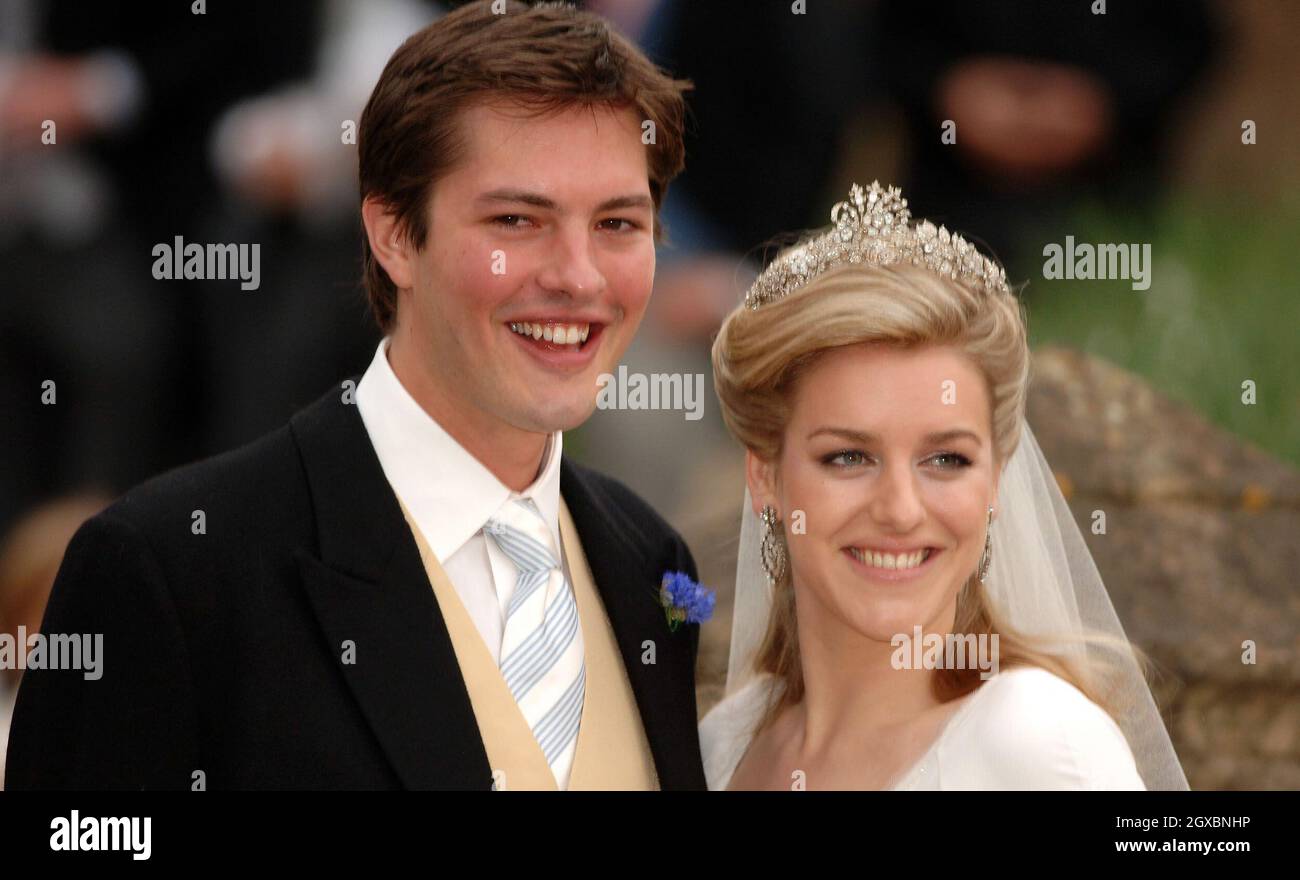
(884, 625)
(881, 630)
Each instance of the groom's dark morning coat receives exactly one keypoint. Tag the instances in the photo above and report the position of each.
(224, 652)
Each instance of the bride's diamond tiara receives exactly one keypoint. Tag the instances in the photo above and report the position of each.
(872, 227)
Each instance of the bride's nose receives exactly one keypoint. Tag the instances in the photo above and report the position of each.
(895, 503)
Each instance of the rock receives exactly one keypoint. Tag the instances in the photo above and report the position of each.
(1201, 556)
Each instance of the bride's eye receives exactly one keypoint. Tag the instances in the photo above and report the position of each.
(845, 458)
(956, 461)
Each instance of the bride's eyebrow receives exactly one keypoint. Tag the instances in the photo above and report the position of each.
(867, 437)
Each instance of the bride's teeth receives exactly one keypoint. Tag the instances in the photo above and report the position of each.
(572, 336)
(548, 334)
(537, 331)
(889, 560)
(586, 330)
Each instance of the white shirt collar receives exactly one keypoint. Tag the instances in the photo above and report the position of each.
(448, 491)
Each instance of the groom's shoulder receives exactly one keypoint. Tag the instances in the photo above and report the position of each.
(618, 503)
(251, 483)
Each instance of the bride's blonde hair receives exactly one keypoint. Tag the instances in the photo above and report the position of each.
(758, 356)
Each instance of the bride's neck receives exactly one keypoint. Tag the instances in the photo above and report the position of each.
(851, 687)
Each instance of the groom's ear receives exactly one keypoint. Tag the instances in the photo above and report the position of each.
(760, 476)
(390, 247)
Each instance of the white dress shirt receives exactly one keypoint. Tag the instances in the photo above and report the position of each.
(451, 494)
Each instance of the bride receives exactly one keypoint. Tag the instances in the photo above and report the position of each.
(915, 607)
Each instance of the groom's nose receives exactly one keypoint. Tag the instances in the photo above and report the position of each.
(570, 266)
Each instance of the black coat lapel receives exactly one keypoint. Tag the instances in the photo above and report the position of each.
(626, 576)
(367, 584)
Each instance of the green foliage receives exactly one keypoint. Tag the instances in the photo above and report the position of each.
(1223, 307)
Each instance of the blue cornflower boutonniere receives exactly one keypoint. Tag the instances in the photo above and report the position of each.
(684, 600)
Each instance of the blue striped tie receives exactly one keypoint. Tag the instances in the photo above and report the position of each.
(541, 646)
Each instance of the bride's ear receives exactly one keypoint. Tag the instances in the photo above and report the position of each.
(997, 481)
(761, 478)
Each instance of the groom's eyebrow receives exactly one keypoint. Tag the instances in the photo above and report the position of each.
(537, 200)
(935, 438)
(630, 201)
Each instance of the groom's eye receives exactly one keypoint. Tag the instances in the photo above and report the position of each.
(511, 221)
(629, 225)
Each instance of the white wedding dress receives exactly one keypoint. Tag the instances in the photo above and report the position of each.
(1024, 728)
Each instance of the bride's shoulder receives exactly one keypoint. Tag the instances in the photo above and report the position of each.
(726, 729)
(740, 708)
(1025, 685)
(1030, 728)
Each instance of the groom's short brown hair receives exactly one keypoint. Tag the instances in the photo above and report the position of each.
(547, 57)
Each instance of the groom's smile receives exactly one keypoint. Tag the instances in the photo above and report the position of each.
(535, 274)
(562, 344)
(541, 245)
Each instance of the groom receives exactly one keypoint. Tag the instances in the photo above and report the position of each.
(408, 585)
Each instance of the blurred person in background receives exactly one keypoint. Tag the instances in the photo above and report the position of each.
(30, 555)
(1052, 104)
(130, 94)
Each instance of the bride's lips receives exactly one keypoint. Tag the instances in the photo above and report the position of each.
(890, 575)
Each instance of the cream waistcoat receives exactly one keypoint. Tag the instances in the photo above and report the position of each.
(612, 752)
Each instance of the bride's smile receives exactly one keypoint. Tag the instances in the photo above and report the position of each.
(891, 568)
(888, 461)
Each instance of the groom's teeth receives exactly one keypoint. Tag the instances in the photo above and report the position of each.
(557, 334)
